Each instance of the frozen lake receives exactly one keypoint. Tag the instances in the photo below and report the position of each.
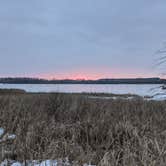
(139, 89)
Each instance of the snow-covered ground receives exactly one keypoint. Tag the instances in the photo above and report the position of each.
(1, 132)
(39, 163)
(30, 163)
(6, 136)
(111, 97)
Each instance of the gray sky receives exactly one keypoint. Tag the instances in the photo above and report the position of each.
(80, 38)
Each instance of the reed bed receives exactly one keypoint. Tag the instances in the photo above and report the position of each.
(103, 132)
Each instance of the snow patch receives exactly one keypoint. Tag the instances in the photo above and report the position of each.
(11, 136)
(1, 131)
(37, 163)
(16, 164)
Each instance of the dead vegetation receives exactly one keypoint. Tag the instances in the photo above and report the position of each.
(11, 91)
(103, 132)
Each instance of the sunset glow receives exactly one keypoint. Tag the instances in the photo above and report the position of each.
(73, 40)
(94, 75)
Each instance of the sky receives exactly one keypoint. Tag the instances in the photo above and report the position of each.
(81, 39)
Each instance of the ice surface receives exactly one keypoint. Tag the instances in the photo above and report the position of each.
(138, 89)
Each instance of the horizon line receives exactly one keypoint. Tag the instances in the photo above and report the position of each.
(79, 79)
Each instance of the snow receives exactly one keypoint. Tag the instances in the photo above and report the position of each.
(42, 163)
(16, 164)
(1, 131)
(11, 136)
(111, 97)
(4, 163)
(6, 136)
(138, 89)
(47, 163)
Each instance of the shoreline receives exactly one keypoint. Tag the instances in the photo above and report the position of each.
(102, 96)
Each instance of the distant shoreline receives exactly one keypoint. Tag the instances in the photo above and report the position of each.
(70, 81)
(85, 83)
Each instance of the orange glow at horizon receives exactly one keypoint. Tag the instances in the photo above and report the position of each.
(94, 75)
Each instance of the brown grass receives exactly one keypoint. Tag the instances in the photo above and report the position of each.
(103, 132)
(11, 91)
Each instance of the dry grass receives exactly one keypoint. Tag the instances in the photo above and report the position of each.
(104, 132)
(11, 91)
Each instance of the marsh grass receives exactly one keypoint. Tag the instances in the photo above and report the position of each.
(103, 132)
(11, 91)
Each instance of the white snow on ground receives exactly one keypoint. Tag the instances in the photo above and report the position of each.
(158, 94)
(16, 164)
(42, 163)
(37, 163)
(47, 163)
(158, 98)
(11, 136)
(1, 131)
(6, 136)
(102, 97)
(111, 97)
